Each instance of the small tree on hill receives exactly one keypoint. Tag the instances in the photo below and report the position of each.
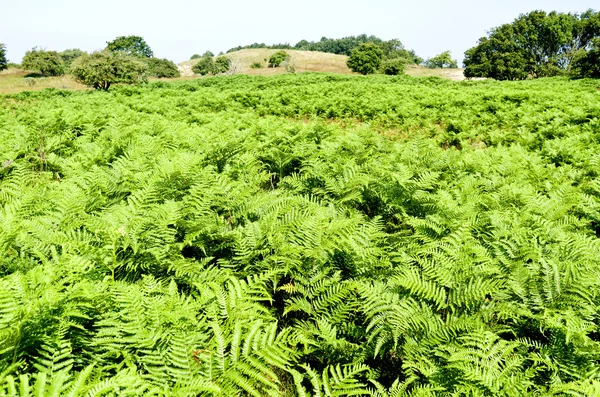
(162, 68)
(48, 63)
(3, 60)
(443, 60)
(195, 56)
(393, 67)
(278, 58)
(222, 65)
(103, 69)
(134, 46)
(365, 59)
(204, 66)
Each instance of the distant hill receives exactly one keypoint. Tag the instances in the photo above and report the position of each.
(308, 61)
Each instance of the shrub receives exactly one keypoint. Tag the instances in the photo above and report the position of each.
(256, 65)
(204, 66)
(48, 63)
(393, 67)
(278, 58)
(222, 65)
(365, 59)
(162, 68)
(195, 56)
(3, 60)
(68, 56)
(102, 69)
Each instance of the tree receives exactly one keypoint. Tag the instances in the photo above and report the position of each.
(394, 66)
(195, 56)
(68, 56)
(278, 58)
(443, 60)
(537, 44)
(222, 64)
(587, 63)
(162, 68)
(103, 69)
(134, 46)
(365, 59)
(48, 63)
(204, 66)
(3, 60)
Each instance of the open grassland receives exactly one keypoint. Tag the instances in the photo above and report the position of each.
(13, 81)
(301, 235)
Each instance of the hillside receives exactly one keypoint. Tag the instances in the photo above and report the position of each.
(310, 61)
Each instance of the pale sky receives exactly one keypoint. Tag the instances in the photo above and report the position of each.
(178, 29)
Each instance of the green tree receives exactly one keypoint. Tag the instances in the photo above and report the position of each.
(195, 56)
(222, 64)
(204, 66)
(394, 66)
(134, 46)
(48, 63)
(3, 60)
(537, 44)
(587, 63)
(365, 59)
(68, 56)
(278, 58)
(162, 68)
(103, 69)
(443, 60)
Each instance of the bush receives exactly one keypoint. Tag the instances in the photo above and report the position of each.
(102, 69)
(256, 65)
(68, 56)
(393, 67)
(204, 66)
(222, 65)
(443, 60)
(195, 56)
(278, 58)
(48, 63)
(365, 59)
(162, 68)
(3, 60)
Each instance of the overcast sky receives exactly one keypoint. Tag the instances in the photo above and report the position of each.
(178, 29)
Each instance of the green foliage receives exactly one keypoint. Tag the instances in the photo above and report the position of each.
(222, 64)
(384, 236)
(162, 68)
(443, 60)
(365, 59)
(537, 44)
(587, 63)
(134, 46)
(103, 69)
(48, 63)
(68, 56)
(204, 66)
(3, 60)
(256, 65)
(278, 58)
(393, 67)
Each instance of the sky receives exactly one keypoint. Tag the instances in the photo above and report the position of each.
(178, 29)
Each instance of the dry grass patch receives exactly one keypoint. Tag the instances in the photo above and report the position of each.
(13, 81)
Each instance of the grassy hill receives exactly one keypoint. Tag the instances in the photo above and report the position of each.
(309, 61)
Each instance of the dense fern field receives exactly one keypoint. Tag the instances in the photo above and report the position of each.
(301, 235)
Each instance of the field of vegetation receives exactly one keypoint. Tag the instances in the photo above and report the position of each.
(301, 235)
